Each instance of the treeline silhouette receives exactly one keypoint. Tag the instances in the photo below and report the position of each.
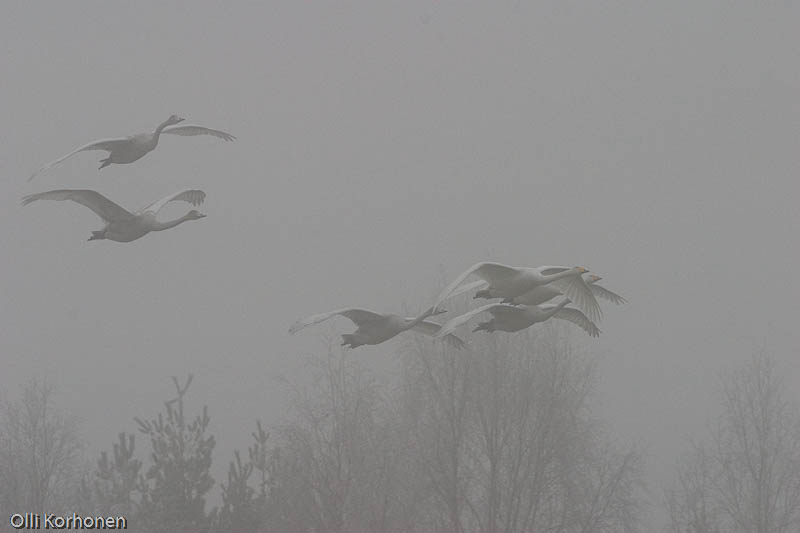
(497, 437)
(500, 436)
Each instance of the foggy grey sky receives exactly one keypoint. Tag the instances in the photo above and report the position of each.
(381, 146)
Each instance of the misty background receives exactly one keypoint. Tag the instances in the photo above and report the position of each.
(382, 148)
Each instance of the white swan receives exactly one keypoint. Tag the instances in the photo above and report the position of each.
(375, 328)
(508, 282)
(515, 318)
(121, 224)
(544, 293)
(129, 149)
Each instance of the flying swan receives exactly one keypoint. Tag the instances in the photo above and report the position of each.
(544, 293)
(130, 149)
(515, 318)
(508, 282)
(375, 328)
(121, 224)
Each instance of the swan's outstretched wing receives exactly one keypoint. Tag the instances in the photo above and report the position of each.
(502, 310)
(102, 144)
(576, 317)
(453, 323)
(602, 292)
(431, 328)
(486, 271)
(576, 289)
(194, 129)
(105, 208)
(358, 316)
(192, 196)
(479, 284)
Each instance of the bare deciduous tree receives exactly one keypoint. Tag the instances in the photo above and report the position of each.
(329, 470)
(748, 478)
(434, 390)
(691, 503)
(39, 452)
(503, 434)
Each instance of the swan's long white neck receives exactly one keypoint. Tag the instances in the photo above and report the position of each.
(564, 274)
(557, 308)
(160, 226)
(159, 129)
(410, 324)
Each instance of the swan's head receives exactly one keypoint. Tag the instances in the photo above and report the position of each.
(174, 119)
(582, 270)
(194, 214)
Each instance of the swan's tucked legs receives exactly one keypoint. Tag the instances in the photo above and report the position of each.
(106, 162)
(348, 340)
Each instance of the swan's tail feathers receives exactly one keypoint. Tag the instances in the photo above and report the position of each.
(97, 235)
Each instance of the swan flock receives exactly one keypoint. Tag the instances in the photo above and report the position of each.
(523, 291)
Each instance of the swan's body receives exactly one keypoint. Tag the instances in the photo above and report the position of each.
(129, 149)
(375, 328)
(544, 293)
(505, 281)
(515, 318)
(121, 224)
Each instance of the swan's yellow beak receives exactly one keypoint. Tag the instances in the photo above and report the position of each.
(582, 270)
